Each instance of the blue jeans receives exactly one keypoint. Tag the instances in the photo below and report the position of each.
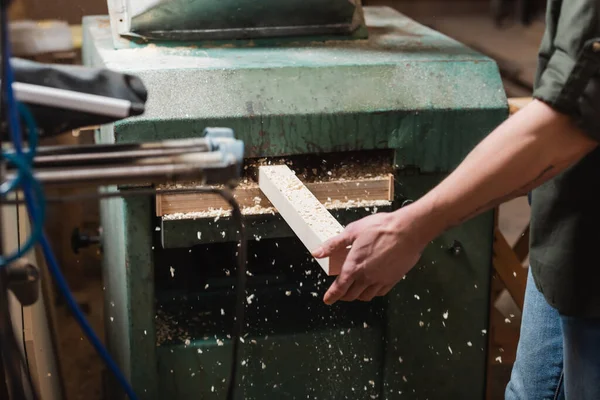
(558, 357)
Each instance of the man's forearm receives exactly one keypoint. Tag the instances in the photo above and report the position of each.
(525, 151)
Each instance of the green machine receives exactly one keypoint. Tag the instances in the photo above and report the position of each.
(313, 81)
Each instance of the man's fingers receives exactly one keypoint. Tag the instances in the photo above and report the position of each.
(334, 244)
(370, 292)
(354, 291)
(385, 290)
(338, 288)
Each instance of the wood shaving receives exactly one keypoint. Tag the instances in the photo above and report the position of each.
(168, 329)
(259, 210)
(312, 168)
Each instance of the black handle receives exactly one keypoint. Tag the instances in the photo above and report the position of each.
(23, 281)
(81, 240)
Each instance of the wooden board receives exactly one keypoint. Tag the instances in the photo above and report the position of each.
(249, 196)
(302, 211)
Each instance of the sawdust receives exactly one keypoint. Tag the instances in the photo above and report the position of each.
(326, 170)
(345, 171)
(372, 205)
(168, 329)
(212, 213)
(244, 183)
(187, 327)
(313, 169)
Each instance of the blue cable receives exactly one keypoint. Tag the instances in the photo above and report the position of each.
(22, 163)
(37, 213)
(34, 194)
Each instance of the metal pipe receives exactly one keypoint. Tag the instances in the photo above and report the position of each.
(80, 159)
(106, 176)
(155, 170)
(125, 192)
(202, 143)
(72, 100)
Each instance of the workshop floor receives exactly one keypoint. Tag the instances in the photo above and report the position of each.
(516, 46)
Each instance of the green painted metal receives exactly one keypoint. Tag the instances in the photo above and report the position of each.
(287, 373)
(449, 295)
(406, 88)
(129, 291)
(431, 330)
(295, 347)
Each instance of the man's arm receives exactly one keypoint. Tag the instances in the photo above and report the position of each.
(525, 151)
(528, 149)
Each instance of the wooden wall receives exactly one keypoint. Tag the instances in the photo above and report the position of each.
(71, 11)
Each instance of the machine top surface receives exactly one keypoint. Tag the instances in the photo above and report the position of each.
(406, 87)
(393, 38)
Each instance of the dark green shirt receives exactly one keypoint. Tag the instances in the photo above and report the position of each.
(565, 221)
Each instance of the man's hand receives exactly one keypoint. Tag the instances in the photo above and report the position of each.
(383, 250)
(525, 151)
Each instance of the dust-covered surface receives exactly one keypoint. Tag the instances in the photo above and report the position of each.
(308, 169)
(212, 213)
(368, 205)
(172, 328)
(393, 38)
(331, 167)
(339, 167)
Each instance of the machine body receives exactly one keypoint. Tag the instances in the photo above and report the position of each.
(405, 91)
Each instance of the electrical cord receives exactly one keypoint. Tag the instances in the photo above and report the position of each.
(238, 323)
(240, 308)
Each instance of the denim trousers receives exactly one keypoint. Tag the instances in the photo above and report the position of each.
(558, 357)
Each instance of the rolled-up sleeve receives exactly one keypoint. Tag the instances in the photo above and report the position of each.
(569, 73)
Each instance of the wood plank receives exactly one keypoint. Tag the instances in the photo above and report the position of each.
(302, 211)
(249, 196)
(509, 269)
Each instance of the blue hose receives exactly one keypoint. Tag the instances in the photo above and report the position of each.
(37, 214)
(35, 203)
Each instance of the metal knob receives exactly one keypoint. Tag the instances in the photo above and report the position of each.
(456, 249)
(81, 240)
(23, 281)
